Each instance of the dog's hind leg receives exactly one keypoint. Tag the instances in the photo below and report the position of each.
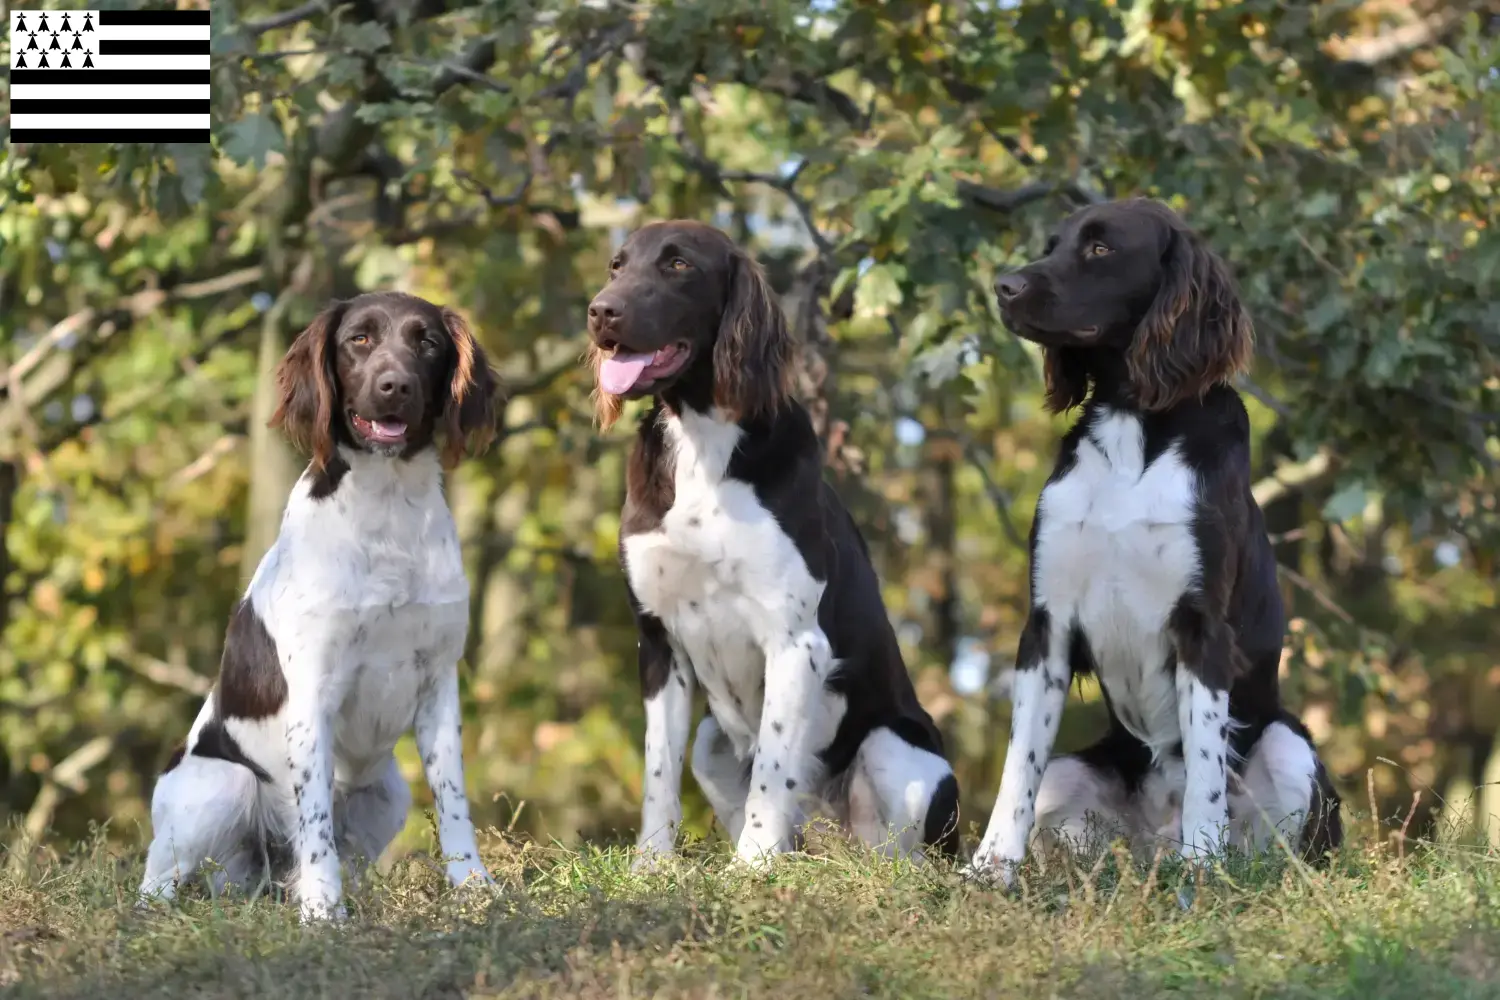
(902, 798)
(1082, 807)
(370, 817)
(202, 809)
(723, 777)
(1283, 788)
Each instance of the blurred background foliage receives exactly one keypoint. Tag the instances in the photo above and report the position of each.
(884, 160)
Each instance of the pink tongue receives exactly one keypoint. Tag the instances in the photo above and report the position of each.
(389, 428)
(620, 372)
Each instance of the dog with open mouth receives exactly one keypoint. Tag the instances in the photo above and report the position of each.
(746, 574)
(352, 626)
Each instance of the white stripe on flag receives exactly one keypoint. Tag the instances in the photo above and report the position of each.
(112, 92)
(151, 32)
(96, 121)
(139, 62)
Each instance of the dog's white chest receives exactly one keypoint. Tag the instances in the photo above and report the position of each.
(1115, 550)
(385, 538)
(721, 575)
(392, 655)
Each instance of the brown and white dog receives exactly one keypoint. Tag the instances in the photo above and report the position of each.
(747, 576)
(1150, 565)
(351, 629)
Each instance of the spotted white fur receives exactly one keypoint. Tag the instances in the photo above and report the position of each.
(738, 601)
(1114, 552)
(741, 609)
(1269, 799)
(365, 596)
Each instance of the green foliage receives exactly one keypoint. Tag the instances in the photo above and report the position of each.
(885, 160)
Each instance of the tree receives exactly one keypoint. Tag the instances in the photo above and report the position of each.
(885, 160)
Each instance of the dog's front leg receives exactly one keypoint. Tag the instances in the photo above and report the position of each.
(309, 737)
(1037, 695)
(793, 725)
(440, 742)
(667, 685)
(1203, 654)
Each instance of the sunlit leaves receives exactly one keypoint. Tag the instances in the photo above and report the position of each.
(252, 138)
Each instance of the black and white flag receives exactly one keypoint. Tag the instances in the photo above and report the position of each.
(109, 75)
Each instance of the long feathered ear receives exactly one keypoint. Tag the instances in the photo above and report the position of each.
(469, 414)
(1196, 333)
(607, 408)
(753, 356)
(308, 388)
(1066, 376)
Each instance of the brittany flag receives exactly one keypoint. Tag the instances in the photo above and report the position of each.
(109, 76)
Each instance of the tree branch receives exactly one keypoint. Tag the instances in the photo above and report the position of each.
(717, 175)
(66, 774)
(470, 183)
(998, 497)
(47, 378)
(172, 675)
(254, 29)
(1291, 476)
(997, 200)
(1399, 41)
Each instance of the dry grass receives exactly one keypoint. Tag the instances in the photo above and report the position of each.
(1421, 924)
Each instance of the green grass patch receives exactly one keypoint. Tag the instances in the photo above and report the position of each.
(839, 924)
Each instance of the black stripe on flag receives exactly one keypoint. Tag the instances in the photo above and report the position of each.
(154, 47)
(94, 106)
(108, 135)
(170, 17)
(107, 76)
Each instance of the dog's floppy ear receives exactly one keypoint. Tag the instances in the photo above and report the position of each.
(308, 388)
(469, 414)
(1196, 333)
(753, 356)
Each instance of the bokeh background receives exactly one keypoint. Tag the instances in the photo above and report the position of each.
(884, 160)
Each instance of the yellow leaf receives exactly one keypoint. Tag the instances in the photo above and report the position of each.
(47, 599)
(93, 579)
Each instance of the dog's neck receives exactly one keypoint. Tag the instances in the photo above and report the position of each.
(406, 475)
(1107, 373)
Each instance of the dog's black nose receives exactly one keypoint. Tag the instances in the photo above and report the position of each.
(1009, 286)
(603, 310)
(395, 385)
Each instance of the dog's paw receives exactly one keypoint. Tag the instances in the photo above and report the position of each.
(989, 872)
(757, 850)
(649, 860)
(321, 911)
(467, 873)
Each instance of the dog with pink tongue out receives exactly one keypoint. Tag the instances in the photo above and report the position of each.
(746, 575)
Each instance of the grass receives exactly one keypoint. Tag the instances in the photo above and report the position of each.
(1423, 923)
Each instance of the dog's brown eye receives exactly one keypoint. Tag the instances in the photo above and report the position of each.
(359, 339)
(614, 266)
(678, 264)
(1098, 250)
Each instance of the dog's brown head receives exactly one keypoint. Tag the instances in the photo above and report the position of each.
(387, 373)
(687, 312)
(1129, 278)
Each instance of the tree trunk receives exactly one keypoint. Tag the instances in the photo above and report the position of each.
(10, 481)
(273, 466)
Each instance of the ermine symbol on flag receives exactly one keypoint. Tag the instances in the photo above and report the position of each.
(114, 76)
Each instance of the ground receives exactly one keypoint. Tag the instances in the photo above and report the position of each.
(1414, 923)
